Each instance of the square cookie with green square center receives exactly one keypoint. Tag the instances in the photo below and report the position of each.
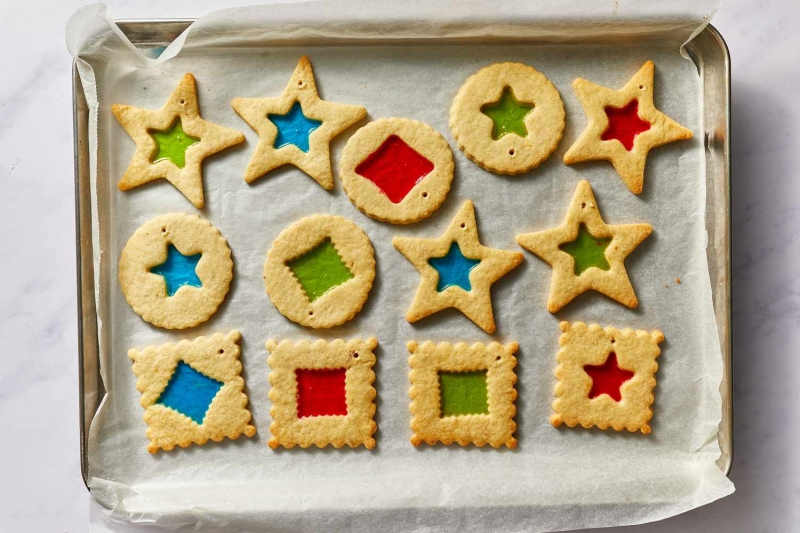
(463, 393)
(192, 391)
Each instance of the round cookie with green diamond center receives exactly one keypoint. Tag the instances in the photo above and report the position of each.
(320, 270)
(175, 270)
(507, 118)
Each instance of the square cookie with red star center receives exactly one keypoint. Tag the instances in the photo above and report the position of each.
(463, 393)
(606, 377)
(322, 393)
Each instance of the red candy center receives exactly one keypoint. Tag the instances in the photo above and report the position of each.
(395, 168)
(320, 392)
(607, 378)
(624, 124)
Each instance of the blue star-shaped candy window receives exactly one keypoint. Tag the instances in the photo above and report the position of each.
(453, 269)
(178, 270)
(293, 127)
(189, 392)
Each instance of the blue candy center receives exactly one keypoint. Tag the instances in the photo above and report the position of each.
(294, 127)
(189, 392)
(178, 270)
(453, 269)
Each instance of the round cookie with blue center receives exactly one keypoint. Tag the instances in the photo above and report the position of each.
(175, 270)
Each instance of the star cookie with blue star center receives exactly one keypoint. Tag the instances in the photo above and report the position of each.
(172, 142)
(175, 270)
(192, 391)
(296, 128)
(624, 125)
(456, 270)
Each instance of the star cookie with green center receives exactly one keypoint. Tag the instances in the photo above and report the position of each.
(319, 271)
(192, 391)
(507, 118)
(172, 142)
(296, 128)
(624, 125)
(456, 270)
(586, 253)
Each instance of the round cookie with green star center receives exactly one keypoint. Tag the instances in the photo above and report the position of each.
(175, 270)
(507, 118)
(320, 270)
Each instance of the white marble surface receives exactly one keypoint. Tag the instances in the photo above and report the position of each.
(40, 484)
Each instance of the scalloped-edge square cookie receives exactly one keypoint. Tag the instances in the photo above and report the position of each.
(192, 391)
(322, 393)
(463, 393)
(606, 377)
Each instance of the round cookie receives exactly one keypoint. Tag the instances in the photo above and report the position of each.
(319, 271)
(507, 118)
(397, 170)
(175, 270)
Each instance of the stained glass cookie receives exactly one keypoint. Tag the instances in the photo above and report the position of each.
(606, 377)
(624, 125)
(296, 128)
(172, 142)
(507, 118)
(175, 270)
(456, 270)
(319, 271)
(322, 393)
(462, 393)
(192, 391)
(397, 170)
(586, 253)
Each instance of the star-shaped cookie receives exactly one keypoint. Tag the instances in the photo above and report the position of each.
(571, 250)
(624, 125)
(456, 270)
(296, 127)
(172, 142)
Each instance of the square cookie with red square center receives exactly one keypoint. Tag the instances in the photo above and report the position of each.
(606, 377)
(322, 393)
(463, 393)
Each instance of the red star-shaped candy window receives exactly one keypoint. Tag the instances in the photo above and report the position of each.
(624, 124)
(607, 378)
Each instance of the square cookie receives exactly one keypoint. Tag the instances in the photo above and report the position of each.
(192, 391)
(322, 393)
(462, 393)
(606, 377)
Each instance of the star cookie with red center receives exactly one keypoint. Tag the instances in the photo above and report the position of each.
(606, 377)
(624, 125)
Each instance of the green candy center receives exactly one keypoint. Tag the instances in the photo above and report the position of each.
(320, 270)
(172, 144)
(464, 393)
(588, 251)
(508, 115)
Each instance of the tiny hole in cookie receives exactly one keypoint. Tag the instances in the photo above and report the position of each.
(220, 351)
(497, 358)
(300, 83)
(641, 86)
(583, 205)
(163, 230)
(424, 195)
(310, 313)
(183, 101)
(463, 225)
(512, 152)
(613, 341)
(354, 355)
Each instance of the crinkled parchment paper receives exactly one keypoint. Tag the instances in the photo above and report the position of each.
(409, 61)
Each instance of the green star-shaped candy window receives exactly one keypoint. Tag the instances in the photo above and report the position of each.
(172, 144)
(587, 250)
(508, 115)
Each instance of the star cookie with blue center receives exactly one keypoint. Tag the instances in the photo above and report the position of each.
(192, 391)
(586, 253)
(456, 270)
(296, 128)
(624, 125)
(175, 270)
(172, 142)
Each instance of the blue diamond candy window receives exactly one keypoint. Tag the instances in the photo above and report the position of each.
(189, 392)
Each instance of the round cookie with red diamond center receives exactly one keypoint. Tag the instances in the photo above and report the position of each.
(507, 118)
(397, 170)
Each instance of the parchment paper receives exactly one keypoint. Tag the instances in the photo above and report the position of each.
(556, 478)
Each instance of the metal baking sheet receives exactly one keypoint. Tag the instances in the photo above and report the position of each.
(709, 54)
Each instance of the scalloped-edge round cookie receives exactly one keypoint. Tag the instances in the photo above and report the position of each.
(527, 127)
(319, 271)
(397, 170)
(147, 292)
